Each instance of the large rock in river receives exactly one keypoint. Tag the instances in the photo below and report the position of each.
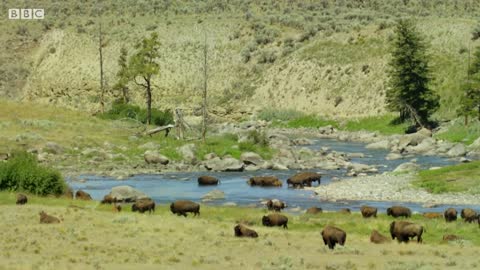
(457, 151)
(214, 195)
(407, 167)
(126, 194)
(224, 165)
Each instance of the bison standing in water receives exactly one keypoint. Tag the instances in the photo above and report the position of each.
(303, 179)
(333, 235)
(243, 231)
(265, 181)
(450, 215)
(207, 181)
(21, 199)
(182, 207)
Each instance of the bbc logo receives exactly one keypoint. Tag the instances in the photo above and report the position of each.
(26, 14)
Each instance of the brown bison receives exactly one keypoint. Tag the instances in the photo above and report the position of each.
(265, 181)
(303, 179)
(47, 219)
(144, 205)
(345, 211)
(243, 231)
(404, 230)
(21, 199)
(333, 235)
(399, 211)
(378, 238)
(450, 215)
(276, 205)
(82, 195)
(314, 210)
(368, 211)
(207, 181)
(432, 215)
(275, 220)
(108, 199)
(182, 207)
(469, 215)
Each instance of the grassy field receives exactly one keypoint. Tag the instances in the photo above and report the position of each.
(456, 178)
(91, 236)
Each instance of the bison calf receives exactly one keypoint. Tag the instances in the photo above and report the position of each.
(242, 231)
(275, 220)
(182, 207)
(399, 211)
(21, 199)
(144, 205)
(47, 219)
(333, 235)
(450, 215)
(432, 215)
(368, 211)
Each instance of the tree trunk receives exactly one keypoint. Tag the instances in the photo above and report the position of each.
(125, 94)
(205, 76)
(102, 88)
(149, 102)
(466, 120)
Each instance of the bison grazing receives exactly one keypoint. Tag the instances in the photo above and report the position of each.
(469, 215)
(21, 199)
(403, 231)
(432, 215)
(144, 205)
(314, 210)
(333, 235)
(242, 231)
(82, 195)
(399, 211)
(47, 219)
(207, 181)
(303, 179)
(450, 215)
(276, 205)
(345, 211)
(275, 220)
(378, 238)
(368, 211)
(265, 181)
(109, 199)
(183, 207)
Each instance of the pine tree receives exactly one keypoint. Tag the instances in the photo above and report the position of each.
(471, 99)
(123, 75)
(409, 77)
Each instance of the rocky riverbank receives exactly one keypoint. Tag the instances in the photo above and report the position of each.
(388, 187)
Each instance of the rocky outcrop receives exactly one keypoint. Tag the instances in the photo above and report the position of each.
(188, 152)
(227, 164)
(126, 194)
(251, 158)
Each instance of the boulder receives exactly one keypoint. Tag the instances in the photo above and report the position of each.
(359, 168)
(227, 164)
(53, 148)
(279, 167)
(209, 156)
(393, 156)
(153, 157)
(188, 153)
(425, 132)
(407, 167)
(302, 141)
(457, 151)
(378, 145)
(326, 130)
(214, 195)
(126, 194)
(355, 155)
(251, 158)
(411, 139)
(426, 145)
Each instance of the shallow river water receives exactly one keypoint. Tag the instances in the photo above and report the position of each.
(165, 188)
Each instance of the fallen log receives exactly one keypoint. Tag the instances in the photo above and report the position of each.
(158, 129)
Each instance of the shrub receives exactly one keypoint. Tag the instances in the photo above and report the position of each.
(281, 115)
(265, 36)
(23, 173)
(122, 110)
(267, 57)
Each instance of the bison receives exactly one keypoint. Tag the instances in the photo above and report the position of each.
(276, 205)
(182, 207)
(378, 238)
(450, 215)
(265, 181)
(108, 199)
(117, 208)
(47, 219)
(469, 215)
(207, 181)
(144, 205)
(368, 211)
(403, 231)
(82, 195)
(314, 210)
(275, 220)
(333, 235)
(399, 211)
(432, 215)
(243, 231)
(21, 199)
(303, 179)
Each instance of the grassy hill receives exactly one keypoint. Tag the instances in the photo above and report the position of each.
(325, 57)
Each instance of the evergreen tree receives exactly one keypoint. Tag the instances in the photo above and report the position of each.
(123, 76)
(143, 66)
(409, 76)
(471, 99)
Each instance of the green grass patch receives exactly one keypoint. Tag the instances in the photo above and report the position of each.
(455, 178)
(228, 145)
(382, 124)
(458, 132)
(121, 110)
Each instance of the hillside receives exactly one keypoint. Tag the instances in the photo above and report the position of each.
(326, 57)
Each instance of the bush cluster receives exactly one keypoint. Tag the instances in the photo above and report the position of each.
(122, 110)
(23, 173)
